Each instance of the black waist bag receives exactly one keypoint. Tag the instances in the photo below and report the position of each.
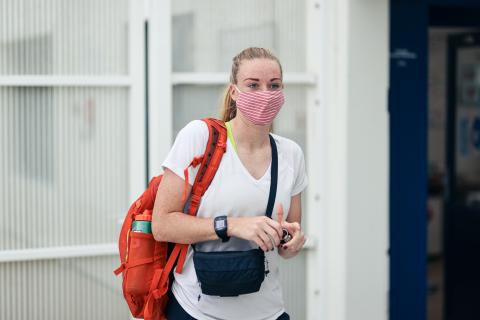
(232, 273)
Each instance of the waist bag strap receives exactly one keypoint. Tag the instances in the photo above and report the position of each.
(273, 177)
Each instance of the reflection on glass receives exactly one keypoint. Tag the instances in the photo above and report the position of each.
(206, 35)
(468, 127)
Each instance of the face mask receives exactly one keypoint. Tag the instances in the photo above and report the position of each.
(260, 107)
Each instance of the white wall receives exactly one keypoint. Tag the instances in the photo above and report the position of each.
(348, 274)
(368, 161)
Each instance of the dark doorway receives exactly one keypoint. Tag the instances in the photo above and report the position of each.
(462, 196)
(413, 181)
(441, 88)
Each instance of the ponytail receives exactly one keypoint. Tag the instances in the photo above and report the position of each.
(228, 108)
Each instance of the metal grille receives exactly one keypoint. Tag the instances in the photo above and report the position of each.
(64, 168)
(63, 37)
(64, 165)
(61, 289)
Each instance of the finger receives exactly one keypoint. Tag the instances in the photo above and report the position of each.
(273, 233)
(302, 243)
(292, 244)
(266, 241)
(280, 213)
(295, 243)
(260, 243)
(289, 228)
(276, 226)
(296, 226)
(272, 240)
(292, 227)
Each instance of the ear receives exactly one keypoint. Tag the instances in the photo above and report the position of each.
(233, 92)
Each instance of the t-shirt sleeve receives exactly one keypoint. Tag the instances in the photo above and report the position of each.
(190, 142)
(301, 179)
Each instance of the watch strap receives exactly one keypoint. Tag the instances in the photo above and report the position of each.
(221, 227)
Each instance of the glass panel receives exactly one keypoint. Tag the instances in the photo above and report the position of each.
(63, 37)
(468, 126)
(64, 167)
(192, 102)
(206, 35)
(62, 289)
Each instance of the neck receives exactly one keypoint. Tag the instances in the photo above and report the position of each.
(247, 135)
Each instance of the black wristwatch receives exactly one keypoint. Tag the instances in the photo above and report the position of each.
(220, 226)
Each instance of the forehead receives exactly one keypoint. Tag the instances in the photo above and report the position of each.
(259, 69)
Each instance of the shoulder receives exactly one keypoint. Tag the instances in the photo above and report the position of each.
(190, 142)
(192, 138)
(291, 154)
(195, 132)
(195, 127)
(288, 147)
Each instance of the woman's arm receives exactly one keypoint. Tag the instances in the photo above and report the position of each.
(170, 224)
(292, 223)
(295, 212)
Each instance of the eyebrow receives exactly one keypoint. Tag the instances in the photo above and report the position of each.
(255, 79)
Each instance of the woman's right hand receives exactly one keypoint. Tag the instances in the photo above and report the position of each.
(265, 232)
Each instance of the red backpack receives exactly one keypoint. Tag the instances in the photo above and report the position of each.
(145, 266)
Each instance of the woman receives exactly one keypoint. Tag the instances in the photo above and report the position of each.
(237, 194)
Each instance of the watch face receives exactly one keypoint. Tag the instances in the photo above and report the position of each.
(220, 224)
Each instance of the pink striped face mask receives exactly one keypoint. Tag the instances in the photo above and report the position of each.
(260, 107)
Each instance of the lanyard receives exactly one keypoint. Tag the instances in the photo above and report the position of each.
(230, 136)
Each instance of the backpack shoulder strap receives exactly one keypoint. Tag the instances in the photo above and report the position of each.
(209, 163)
(216, 147)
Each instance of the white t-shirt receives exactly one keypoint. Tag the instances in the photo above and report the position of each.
(234, 192)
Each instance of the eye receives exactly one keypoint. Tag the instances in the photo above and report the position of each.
(275, 86)
(253, 85)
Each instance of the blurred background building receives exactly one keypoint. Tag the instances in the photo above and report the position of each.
(383, 97)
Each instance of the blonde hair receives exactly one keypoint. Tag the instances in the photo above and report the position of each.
(228, 107)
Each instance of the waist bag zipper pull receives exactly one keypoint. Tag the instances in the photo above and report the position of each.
(267, 270)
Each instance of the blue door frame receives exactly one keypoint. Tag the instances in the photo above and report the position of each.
(408, 159)
(408, 106)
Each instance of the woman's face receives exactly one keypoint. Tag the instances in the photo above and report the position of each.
(257, 75)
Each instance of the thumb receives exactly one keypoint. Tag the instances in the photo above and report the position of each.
(280, 213)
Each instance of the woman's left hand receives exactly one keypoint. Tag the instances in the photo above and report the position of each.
(292, 247)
